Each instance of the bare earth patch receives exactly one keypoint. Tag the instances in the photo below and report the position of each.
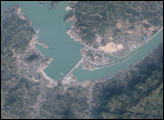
(119, 26)
(111, 47)
(151, 28)
(68, 8)
(99, 39)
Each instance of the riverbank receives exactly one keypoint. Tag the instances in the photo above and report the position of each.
(73, 33)
(52, 83)
(31, 46)
(87, 73)
(137, 46)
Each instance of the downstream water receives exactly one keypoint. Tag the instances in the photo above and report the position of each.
(65, 52)
(111, 70)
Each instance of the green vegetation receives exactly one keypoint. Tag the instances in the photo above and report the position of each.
(137, 93)
(19, 94)
(114, 18)
(32, 57)
(15, 36)
(16, 33)
(71, 104)
(19, 100)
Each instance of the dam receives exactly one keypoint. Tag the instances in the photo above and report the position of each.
(76, 66)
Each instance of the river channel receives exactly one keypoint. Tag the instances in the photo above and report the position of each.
(64, 50)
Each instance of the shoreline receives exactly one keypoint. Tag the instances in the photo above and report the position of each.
(68, 8)
(31, 46)
(72, 34)
(137, 46)
(52, 81)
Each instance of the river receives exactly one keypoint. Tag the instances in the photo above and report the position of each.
(64, 51)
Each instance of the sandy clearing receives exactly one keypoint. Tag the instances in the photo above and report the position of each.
(119, 26)
(111, 47)
(68, 8)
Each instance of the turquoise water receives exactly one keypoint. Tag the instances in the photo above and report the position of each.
(65, 52)
(83, 75)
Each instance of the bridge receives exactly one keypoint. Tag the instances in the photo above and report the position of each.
(80, 61)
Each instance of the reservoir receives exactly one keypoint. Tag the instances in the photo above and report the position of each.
(64, 50)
